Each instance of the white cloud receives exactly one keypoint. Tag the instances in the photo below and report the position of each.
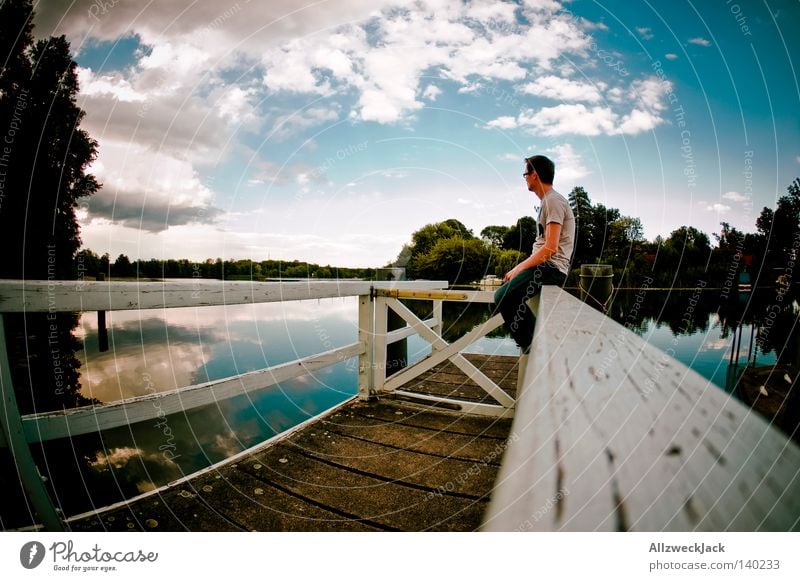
(735, 197)
(504, 122)
(570, 119)
(700, 41)
(645, 32)
(431, 92)
(491, 10)
(112, 85)
(461, 42)
(717, 208)
(236, 105)
(563, 89)
(569, 165)
(298, 121)
(671, 56)
(646, 96)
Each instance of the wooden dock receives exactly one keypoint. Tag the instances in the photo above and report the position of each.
(609, 433)
(382, 465)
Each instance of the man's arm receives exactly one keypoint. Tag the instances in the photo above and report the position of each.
(552, 234)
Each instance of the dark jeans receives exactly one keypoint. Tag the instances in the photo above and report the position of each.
(511, 300)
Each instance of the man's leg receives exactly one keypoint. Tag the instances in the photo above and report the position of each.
(511, 300)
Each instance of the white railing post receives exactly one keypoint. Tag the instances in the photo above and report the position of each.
(13, 433)
(379, 356)
(366, 335)
(438, 314)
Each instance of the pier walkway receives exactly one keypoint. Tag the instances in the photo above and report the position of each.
(382, 465)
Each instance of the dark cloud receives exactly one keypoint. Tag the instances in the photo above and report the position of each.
(251, 24)
(148, 212)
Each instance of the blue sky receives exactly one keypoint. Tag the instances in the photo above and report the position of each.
(329, 132)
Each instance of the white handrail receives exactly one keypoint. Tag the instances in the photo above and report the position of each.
(69, 295)
(611, 433)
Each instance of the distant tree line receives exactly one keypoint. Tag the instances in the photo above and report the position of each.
(90, 264)
(450, 251)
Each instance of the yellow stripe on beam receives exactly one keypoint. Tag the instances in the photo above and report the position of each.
(432, 295)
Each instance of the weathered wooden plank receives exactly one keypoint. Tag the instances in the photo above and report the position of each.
(437, 421)
(467, 407)
(391, 504)
(613, 434)
(460, 447)
(465, 477)
(260, 507)
(364, 466)
(88, 419)
(51, 296)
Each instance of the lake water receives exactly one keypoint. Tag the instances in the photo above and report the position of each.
(165, 349)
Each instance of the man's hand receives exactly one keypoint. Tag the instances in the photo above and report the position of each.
(512, 273)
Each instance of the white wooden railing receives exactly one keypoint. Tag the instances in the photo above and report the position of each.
(442, 351)
(18, 432)
(610, 433)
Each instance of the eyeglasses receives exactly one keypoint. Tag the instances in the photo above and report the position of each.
(527, 173)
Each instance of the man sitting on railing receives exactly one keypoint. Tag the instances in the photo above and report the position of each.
(550, 259)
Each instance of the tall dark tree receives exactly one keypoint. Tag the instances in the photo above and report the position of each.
(521, 236)
(581, 205)
(43, 160)
(781, 228)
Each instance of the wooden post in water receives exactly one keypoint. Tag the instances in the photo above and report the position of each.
(102, 331)
(396, 352)
(596, 285)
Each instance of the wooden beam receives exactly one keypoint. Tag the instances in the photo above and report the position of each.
(84, 420)
(58, 296)
(611, 433)
(415, 294)
(468, 407)
(366, 333)
(400, 334)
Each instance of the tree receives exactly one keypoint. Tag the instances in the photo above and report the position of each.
(584, 252)
(494, 235)
(684, 257)
(506, 260)
(44, 157)
(122, 267)
(425, 239)
(47, 160)
(781, 228)
(521, 236)
(456, 260)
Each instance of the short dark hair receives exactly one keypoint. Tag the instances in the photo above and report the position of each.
(543, 166)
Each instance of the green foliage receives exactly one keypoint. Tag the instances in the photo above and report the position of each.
(494, 235)
(781, 228)
(521, 236)
(506, 260)
(447, 250)
(456, 260)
